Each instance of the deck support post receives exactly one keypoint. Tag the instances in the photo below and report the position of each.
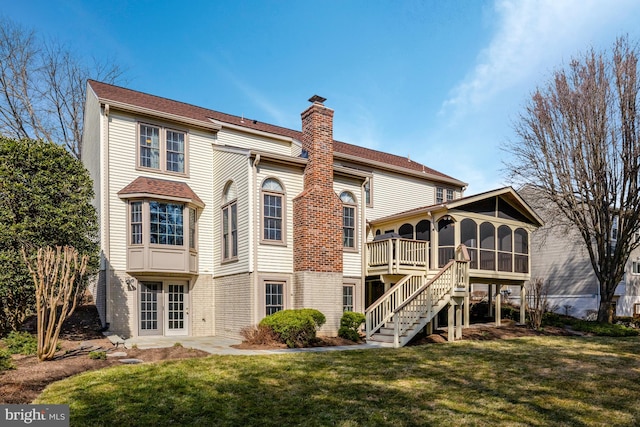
(430, 327)
(467, 313)
(523, 304)
(458, 321)
(450, 326)
(490, 296)
(498, 307)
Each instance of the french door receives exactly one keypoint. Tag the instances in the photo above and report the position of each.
(163, 308)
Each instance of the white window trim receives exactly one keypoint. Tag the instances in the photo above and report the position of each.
(283, 217)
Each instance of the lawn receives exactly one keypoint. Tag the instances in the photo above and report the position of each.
(524, 381)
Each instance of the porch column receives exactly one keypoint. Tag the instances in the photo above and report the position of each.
(430, 327)
(490, 298)
(450, 326)
(498, 306)
(523, 304)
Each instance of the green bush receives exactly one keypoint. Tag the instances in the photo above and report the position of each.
(98, 355)
(349, 324)
(21, 343)
(603, 329)
(6, 362)
(296, 328)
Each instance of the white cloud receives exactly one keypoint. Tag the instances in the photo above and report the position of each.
(532, 37)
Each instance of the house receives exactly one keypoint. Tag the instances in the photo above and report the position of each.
(209, 222)
(563, 263)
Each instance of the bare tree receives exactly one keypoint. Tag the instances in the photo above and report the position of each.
(578, 141)
(57, 276)
(43, 87)
(537, 305)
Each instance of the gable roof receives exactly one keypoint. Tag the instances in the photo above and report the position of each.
(111, 94)
(145, 186)
(507, 193)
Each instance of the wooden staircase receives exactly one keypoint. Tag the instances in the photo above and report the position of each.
(412, 303)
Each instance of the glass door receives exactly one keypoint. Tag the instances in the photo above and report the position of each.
(150, 308)
(177, 308)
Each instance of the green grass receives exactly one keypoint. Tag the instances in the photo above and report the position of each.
(525, 381)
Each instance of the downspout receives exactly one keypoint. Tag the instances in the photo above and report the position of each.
(105, 215)
(255, 237)
(363, 239)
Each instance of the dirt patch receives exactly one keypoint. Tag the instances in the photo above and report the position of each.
(79, 336)
(486, 332)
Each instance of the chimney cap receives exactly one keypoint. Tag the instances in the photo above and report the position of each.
(316, 99)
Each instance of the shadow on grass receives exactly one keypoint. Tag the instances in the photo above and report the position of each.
(534, 381)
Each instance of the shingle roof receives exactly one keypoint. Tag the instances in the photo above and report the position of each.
(161, 187)
(107, 92)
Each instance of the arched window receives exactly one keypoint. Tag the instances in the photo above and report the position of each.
(272, 211)
(505, 248)
(469, 237)
(446, 241)
(521, 250)
(348, 220)
(406, 231)
(423, 230)
(229, 222)
(487, 246)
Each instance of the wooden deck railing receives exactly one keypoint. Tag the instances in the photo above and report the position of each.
(397, 254)
(381, 311)
(413, 297)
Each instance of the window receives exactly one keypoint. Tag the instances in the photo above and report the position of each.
(635, 267)
(446, 241)
(229, 223)
(449, 194)
(161, 223)
(166, 223)
(521, 250)
(614, 229)
(347, 298)
(636, 310)
(272, 210)
(161, 149)
(348, 219)
(439, 195)
(504, 248)
(469, 237)
(274, 297)
(487, 246)
(192, 228)
(136, 223)
(406, 231)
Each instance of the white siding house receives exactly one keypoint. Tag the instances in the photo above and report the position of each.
(203, 217)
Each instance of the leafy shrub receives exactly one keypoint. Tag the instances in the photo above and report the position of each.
(98, 355)
(259, 335)
(6, 362)
(349, 324)
(603, 329)
(21, 343)
(296, 328)
(510, 312)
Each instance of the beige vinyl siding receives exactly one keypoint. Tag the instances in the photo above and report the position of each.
(250, 141)
(352, 261)
(234, 304)
(393, 193)
(122, 171)
(91, 150)
(231, 166)
(277, 258)
(201, 313)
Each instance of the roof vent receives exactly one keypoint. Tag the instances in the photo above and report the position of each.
(316, 99)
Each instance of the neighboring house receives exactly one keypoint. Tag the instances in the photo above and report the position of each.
(209, 222)
(560, 258)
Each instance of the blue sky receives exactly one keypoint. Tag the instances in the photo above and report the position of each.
(439, 81)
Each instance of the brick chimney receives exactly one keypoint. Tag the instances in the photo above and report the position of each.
(317, 211)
